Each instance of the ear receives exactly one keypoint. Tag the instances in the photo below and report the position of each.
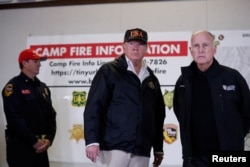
(190, 49)
(123, 46)
(25, 62)
(215, 49)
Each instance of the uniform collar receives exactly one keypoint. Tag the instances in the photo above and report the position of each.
(36, 81)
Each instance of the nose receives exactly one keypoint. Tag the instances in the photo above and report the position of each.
(200, 48)
(135, 48)
(136, 45)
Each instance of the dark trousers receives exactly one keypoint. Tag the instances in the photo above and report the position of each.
(22, 160)
(196, 161)
(20, 154)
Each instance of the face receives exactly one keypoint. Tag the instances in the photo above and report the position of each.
(135, 50)
(202, 49)
(31, 67)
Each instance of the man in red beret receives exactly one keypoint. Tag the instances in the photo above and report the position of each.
(31, 118)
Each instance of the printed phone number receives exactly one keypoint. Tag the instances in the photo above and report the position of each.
(156, 61)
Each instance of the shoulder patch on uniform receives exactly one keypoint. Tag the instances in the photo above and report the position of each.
(8, 90)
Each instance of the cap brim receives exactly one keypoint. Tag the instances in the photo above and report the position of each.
(44, 58)
(136, 39)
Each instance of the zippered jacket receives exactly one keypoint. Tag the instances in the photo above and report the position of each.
(122, 113)
(231, 105)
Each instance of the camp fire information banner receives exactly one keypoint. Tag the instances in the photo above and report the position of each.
(73, 61)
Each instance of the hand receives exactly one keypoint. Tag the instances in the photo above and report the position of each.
(157, 159)
(41, 145)
(92, 152)
(44, 147)
(38, 144)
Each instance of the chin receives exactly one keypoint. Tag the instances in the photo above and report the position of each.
(201, 61)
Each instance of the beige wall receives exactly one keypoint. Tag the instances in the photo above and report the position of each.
(182, 15)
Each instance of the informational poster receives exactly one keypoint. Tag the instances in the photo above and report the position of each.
(73, 61)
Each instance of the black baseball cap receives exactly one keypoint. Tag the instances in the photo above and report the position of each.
(136, 34)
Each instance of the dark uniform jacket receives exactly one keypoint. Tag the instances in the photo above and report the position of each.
(231, 105)
(30, 115)
(123, 114)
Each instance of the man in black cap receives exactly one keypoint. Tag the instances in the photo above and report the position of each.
(125, 111)
(31, 119)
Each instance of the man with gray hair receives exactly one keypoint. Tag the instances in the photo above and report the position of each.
(211, 103)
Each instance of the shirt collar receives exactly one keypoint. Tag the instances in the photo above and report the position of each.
(143, 71)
